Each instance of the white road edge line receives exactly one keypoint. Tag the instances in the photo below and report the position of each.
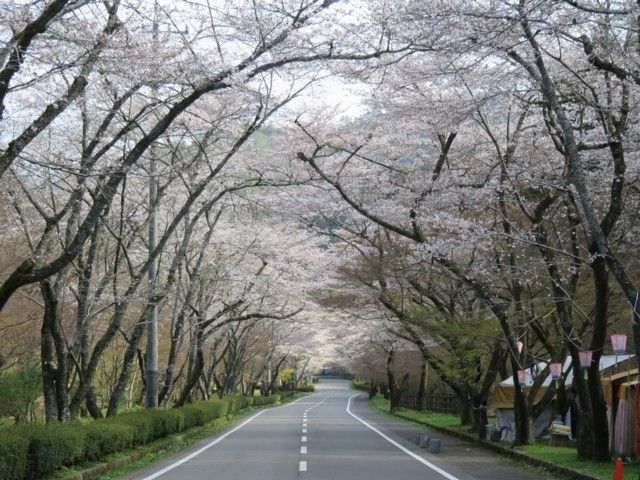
(442, 472)
(214, 442)
(200, 450)
(303, 466)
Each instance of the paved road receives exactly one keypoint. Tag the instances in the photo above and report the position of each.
(329, 435)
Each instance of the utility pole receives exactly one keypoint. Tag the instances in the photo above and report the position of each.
(151, 365)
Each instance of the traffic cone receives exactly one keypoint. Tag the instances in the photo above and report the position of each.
(618, 471)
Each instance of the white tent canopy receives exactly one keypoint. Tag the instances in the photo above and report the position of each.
(606, 361)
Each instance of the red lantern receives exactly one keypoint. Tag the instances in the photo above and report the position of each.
(556, 370)
(585, 359)
(619, 342)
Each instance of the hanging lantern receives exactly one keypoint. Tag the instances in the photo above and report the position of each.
(585, 359)
(556, 371)
(523, 377)
(619, 342)
(520, 345)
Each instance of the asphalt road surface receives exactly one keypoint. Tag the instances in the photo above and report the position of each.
(329, 435)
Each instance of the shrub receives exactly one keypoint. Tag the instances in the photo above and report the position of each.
(193, 416)
(19, 389)
(266, 400)
(105, 437)
(287, 394)
(172, 420)
(208, 410)
(147, 425)
(140, 424)
(161, 426)
(216, 409)
(238, 402)
(14, 453)
(34, 451)
(234, 402)
(52, 446)
(306, 388)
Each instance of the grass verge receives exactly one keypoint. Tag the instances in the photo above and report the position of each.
(445, 420)
(560, 456)
(360, 385)
(566, 457)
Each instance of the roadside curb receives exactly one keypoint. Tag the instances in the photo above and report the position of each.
(510, 453)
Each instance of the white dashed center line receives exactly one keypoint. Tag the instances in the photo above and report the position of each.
(303, 448)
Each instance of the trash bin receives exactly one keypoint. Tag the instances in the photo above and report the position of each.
(424, 441)
(434, 445)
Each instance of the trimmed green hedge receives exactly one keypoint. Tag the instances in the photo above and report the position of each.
(14, 452)
(266, 400)
(49, 447)
(34, 451)
(211, 409)
(237, 403)
(104, 437)
(306, 388)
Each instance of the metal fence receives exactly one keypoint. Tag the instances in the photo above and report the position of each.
(437, 402)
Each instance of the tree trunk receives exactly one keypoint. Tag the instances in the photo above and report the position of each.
(373, 389)
(466, 410)
(385, 391)
(480, 420)
(176, 342)
(195, 371)
(422, 387)
(395, 389)
(599, 423)
(52, 348)
(391, 381)
(127, 368)
(48, 374)
(203, 389)
(521, 410)
(274, 376)
(92, 404)
(395, 393)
